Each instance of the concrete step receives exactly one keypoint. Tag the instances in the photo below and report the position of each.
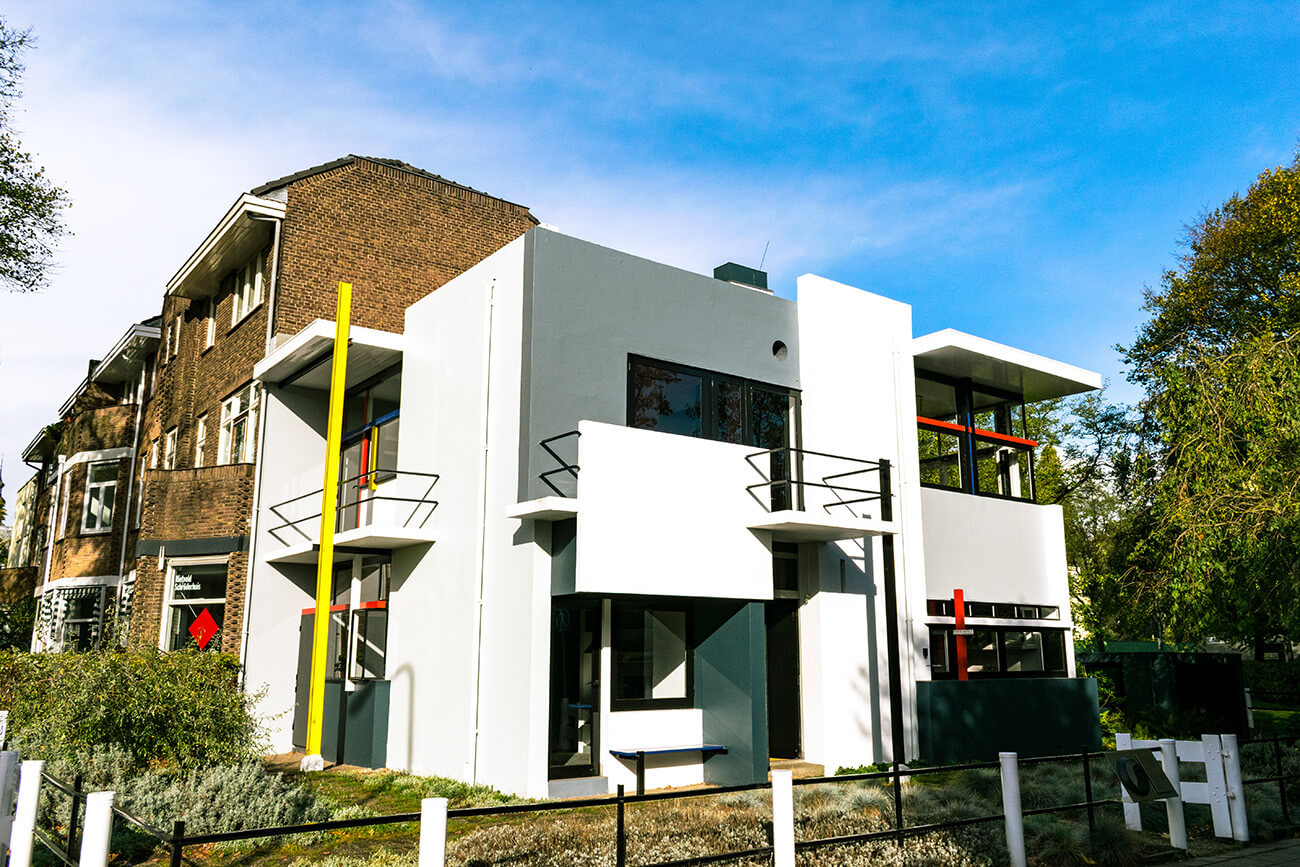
(578, 787)
(798, 768)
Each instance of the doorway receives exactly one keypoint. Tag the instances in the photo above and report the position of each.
(783, 705)
(574, 740)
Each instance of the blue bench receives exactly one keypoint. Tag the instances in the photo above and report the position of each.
(705, 750)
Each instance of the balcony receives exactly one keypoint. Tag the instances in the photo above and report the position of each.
(970, 459)
(377, 511)
(666, 514)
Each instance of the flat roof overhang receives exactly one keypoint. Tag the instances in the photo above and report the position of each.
(42, 445)
(964, 356)
(245, 229)
(790, 525)
(304, 359)
(136, 345)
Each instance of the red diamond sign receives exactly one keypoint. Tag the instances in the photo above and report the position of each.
(203, 628)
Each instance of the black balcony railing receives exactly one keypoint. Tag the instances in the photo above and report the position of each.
(354, 506)
(565, 466)
(785, 475)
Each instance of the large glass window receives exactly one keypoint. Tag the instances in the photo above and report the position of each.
(196, 609)
(972, 438)
(999, 651)
(101, 491)
(652, 665)
(372, 424)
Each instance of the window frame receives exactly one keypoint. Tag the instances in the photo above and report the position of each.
(248, 290)
(169, 448)
(249, 411)
(200, 439)
(93, 486)
(170, 602)
(617, 703)
(946, 630)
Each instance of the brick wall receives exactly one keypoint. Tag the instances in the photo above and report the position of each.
(18, 584)
(394, 235)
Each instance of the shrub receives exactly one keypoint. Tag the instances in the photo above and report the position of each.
(181, 710)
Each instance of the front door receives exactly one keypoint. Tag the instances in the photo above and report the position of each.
(783, 707)
(575, 688)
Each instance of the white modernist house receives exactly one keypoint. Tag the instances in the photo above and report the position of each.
(634, 509)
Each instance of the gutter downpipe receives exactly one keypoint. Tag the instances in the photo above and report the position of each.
(130, 481)
(482, 539)
(49, 548)
(261, 445)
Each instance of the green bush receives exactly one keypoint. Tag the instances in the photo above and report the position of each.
(177, 710)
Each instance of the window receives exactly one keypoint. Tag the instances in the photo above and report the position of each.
(785, 568)
(200, 439)
(653, 662)
(248, 287)
(358, 628)
(176, 337)
(238, 426)
(153, 455)
(1004, 610)
(371, 421)
(82, 619)
(209, 322)
(999, 651)
(169, 450)
(101, 489)
(196, 605)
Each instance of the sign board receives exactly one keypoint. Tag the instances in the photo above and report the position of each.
(967, 632)
(1141, 775)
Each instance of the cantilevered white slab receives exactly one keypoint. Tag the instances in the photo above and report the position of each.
(793, 526)
(546, 509)
(374, 538)
(304, 359)
(964, 356)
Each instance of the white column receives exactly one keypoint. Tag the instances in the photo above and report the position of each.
(97, 832)
(782, 819)
(433, 832)
(29, 793)
(1132, 812)
(1174, 806)
(1011, 808)
(1236, 791)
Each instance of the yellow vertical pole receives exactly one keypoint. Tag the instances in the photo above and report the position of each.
(314, 761)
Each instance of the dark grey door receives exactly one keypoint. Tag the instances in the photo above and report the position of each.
(783, 739)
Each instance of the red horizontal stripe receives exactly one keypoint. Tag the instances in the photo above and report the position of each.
(986, 434)
(312, 610)
(383, 603)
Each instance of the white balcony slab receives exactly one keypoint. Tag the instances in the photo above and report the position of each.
(372, 538)
(789, 525)
(545, 509)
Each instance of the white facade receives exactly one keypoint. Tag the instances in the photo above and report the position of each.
(637, 573)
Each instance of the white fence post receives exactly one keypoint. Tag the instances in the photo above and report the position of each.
(8, 797)
(29, 793)
(97, 832)
(433, 832)
(1132, 811)
(1217, 786)
(1015, 820)
(1236, 791)
(782, 819)
(1174, 806)
(4, 725)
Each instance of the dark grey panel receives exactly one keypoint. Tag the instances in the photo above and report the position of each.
(731, 689)
(191, 547)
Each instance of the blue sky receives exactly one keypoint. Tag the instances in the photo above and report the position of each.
(1015, 170)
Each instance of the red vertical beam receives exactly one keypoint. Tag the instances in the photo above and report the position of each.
(959, 612)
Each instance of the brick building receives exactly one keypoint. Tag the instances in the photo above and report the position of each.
(267, 270)
(75, 532)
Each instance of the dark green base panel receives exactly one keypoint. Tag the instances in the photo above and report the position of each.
(974, 720)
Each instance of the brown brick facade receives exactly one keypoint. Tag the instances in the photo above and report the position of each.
(395, 234)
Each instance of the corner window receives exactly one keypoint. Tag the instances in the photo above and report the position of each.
(200, 439)
(248, 287)
(169, 450)
(682, 400)
(238, 426)
(653, 660)
(196, 605)
(999, 651)
(101, 490)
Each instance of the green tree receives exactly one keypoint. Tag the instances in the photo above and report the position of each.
(31, 207)
(1213, 538)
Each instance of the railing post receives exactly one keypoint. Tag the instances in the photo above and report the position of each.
(640, 772)
(1132, 810)
(433, 832)
(886, 494)
(782, 819)
(178, 842)
(8, 795)
(29, 795)
(1015, 820)
(74, 816)
(1174, 806)
(1236, 791)
(620, 844)
(898, 802)
(1281, 781)
(1087, 796)
(98, 832)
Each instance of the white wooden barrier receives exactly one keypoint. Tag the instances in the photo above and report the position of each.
(4, 725)
(97, 832)
(1015, 819)
(783, 819)
(29, 793)
(1222, 790)
(433, 832)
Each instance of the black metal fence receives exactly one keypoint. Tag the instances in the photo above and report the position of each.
(177, 840)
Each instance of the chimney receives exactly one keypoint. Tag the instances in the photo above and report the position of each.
(750, 278)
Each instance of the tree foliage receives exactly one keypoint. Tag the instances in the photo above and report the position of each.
(31, 207)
